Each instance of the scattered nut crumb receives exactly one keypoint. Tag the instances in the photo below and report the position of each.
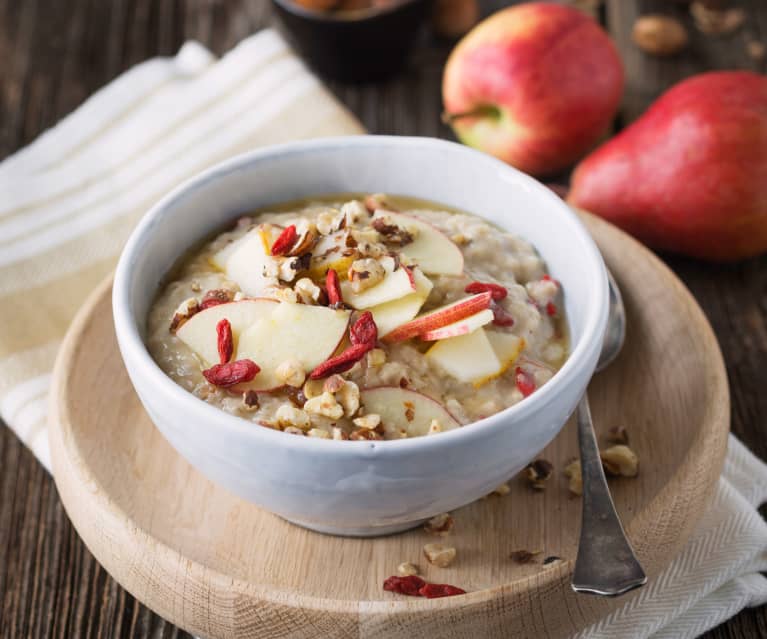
(307, 291)
(502, 490)
(291, 372)
(659, 35)
(349, 398)
(195, 286)
(439, 555)
(289, 415)
(320, 433)
(365, 273)
(313, 388)
(538, 473)
(339, 433)
(713, 21)
(618, 435)
(371, 421)
(250, 400)
(406, 569)
(620, 461)
(440, 525)
(325, 405)
(185, 310)
(524, 556)
(365, 433)
(573, 472)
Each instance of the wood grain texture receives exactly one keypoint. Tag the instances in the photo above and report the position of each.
(54, 54)
(221, 567)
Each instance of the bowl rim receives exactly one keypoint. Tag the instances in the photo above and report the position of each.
(354, 15)
(133, 347)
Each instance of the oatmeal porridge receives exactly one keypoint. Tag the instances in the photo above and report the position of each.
(367, 317)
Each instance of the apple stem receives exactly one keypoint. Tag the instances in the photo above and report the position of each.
(484, 110)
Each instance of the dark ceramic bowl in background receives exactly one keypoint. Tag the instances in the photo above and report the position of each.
(354, 46)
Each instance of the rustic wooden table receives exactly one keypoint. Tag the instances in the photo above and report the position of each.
(53, 54)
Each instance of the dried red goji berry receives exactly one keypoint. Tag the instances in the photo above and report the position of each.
(225, 340)
(500, 316)
(333, 288)
(231, 373)
(551, 309)
(409, 585)
(285, 241)
(215, 297)
(525, 382)
(364, 330)
(341, 363)
(431, 591)
(496, 290)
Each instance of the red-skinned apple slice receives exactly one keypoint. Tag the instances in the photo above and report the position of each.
(199, 332)
(431, 249)
(401, 409)
(440, 317)
(390, 315)
(397, 282)
(309, 334)
(246, 260)
(461, 327)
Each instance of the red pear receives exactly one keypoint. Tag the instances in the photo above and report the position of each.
(690, 175)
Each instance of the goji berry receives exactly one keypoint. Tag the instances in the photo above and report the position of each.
(496, 290)
(333, 288)
(364, 330)
(432, 591)
(341, 363)
(500, 316)
(551, 309)
(409, 585)
(285, 241)
(231, 373)
(524, 381)
(225, 340)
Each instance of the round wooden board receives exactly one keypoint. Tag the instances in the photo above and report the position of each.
(221, 567)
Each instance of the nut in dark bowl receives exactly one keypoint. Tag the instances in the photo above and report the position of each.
(353, 40)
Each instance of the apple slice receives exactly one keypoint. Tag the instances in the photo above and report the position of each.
(248, 262)
(395, 285)
(461, 327)
(468, 358)
(329, 253)
(390, 315)
(431, 249)
(309, 334)
(199, 331)
(401, 409)
(439, 317)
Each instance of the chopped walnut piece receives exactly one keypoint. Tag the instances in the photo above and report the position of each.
(289, 415)
(353, 211)
(538, 473)
(392, 233)
(434, 428)
(502, 490)
(524, 556)
(618, 435)
(185, 310)
(318, 433)
(330, 221)
(365, 273)
(325, 405)
(304, 243)
(307, 291)
(281, 294)
(406, 569)
(371, 421)
(349, 398)
(333, 384)
(460, 239)
(377, 201)
(195, 286)
(573, 472)
(440, 525)
(250, 400)
(339, 433)
(439, 555)
(291, 372)
(620, 460)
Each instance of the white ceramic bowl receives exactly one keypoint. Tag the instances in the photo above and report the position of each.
(371, 487)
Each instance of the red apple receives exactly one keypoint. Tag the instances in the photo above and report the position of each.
(536, 85)
(690, 175)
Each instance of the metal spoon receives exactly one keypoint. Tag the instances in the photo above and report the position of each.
(606, 564)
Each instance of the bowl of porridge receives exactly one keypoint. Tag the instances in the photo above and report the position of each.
(360, 333)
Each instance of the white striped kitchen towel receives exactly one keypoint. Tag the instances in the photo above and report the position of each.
(70, 199)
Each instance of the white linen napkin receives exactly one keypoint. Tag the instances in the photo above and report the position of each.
(71, 197)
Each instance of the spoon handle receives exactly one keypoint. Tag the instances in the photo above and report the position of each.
(606, 564)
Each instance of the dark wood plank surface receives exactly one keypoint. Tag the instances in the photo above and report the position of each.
(53, 54)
